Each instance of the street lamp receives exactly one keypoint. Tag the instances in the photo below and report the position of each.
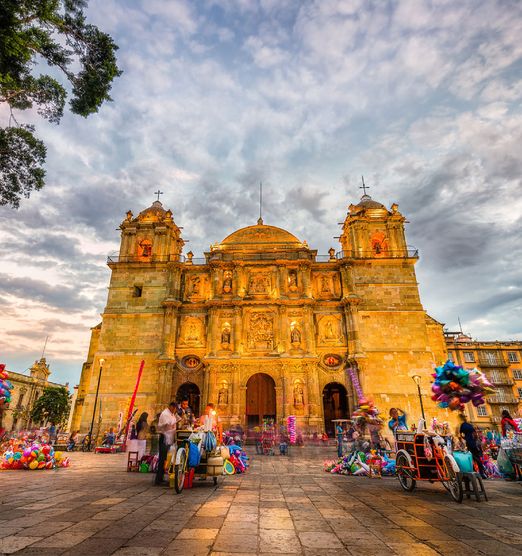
(417, 380)
(102, 361)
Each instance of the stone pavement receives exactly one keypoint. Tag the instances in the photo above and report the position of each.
(281, 506)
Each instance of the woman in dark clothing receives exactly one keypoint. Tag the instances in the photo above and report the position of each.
(142, 427)
(467, 430)
(507, 423)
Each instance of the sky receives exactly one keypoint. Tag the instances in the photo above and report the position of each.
(421, 97)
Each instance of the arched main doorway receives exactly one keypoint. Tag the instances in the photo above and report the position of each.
(335, 405)
(191, 391)
(260, 399)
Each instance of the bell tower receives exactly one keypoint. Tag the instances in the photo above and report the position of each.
(370, 230)
(151, 236)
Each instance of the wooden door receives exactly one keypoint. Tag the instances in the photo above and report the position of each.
(261, 399)
(335, 405)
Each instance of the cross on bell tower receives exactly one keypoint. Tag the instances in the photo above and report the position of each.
(364, 187)
(158, 193)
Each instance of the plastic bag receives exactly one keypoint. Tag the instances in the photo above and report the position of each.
(194, 455)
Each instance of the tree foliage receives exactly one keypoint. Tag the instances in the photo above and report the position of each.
(52, 406)
(52, 32)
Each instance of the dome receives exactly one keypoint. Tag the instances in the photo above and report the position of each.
(371, 208)
(368, 203)
(261, 237)
(154, 212)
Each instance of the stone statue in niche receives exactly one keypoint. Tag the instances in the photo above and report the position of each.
(225, 335)
(227, 282)
(298, 395)
(292, 281)
(295, 335)
(195, 285)
(223, 395)
(379, 243)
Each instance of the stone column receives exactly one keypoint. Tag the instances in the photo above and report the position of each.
(205, 392)
(280, 410)
(307, 281)
(212, 332)
(308, 329)
(283, 328)
(236, 331)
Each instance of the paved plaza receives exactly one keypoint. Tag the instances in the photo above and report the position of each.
(281, 506)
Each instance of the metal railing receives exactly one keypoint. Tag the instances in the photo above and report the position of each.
(493, 359)
(502, 399)
(264, 256)
(384, 254)
(501, 380)
(148, 259)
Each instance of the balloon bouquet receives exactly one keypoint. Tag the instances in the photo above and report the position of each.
(23, 454)
(5, 387)
(455, 386)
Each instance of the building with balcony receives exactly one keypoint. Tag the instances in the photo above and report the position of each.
(262, 326)
(501, 362)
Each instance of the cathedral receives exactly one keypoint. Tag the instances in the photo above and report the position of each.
(263, 326)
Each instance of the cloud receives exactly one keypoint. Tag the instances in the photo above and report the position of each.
(421, 97)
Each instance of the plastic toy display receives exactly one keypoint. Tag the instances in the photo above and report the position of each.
(455, 386)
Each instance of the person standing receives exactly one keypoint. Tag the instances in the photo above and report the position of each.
(52, 434)
(186, 414)
(142, 431)
(467, 430)
(340, 433)
(167, 428)
(508, 423)
(397, 422)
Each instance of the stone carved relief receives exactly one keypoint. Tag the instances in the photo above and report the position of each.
(192, 331)
(260, 333)
(330, 330)
(259, 283)
(326, 285)
(194, 285)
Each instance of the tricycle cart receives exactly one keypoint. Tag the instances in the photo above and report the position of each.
(210, 465)
(425, 457)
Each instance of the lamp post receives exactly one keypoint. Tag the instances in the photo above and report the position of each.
(417, 380)
(102, 361)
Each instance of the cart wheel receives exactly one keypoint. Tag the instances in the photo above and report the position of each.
(406, 480)
(215, 480)
(453, 484)
(179, 472)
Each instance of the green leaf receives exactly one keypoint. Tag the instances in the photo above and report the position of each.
(22, 156)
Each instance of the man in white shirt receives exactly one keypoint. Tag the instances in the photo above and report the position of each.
(167, 429)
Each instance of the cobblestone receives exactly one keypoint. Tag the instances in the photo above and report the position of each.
(281, 506)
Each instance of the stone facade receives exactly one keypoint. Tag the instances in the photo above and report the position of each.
(26, 390)
(262, 301)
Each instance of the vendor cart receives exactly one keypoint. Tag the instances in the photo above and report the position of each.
(414, 462)
(210, 465)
